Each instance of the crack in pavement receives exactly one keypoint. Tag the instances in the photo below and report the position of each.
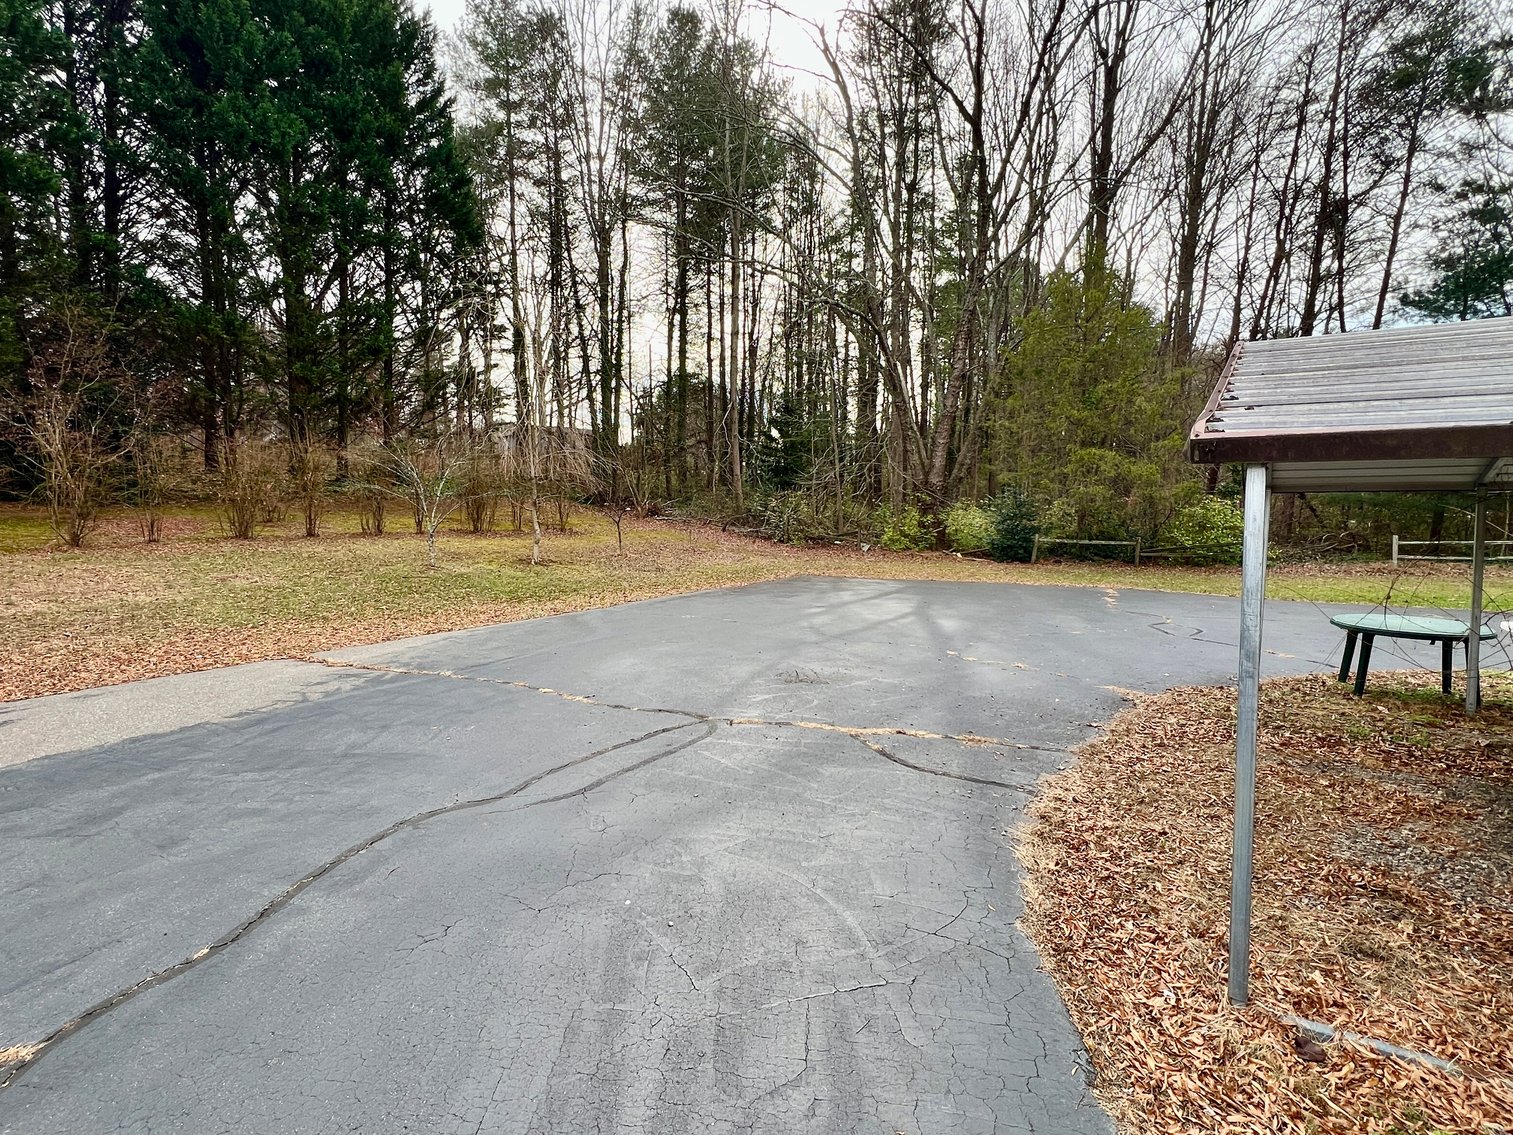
(960, 657)
(17, 1053)
(26, 1056)
(837, 992)
(694, 715)
(15, 1061)
(860, 731)
(581, 699)
(710, 727)
(898, 760)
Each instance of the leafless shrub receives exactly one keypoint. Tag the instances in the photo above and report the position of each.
(275, 508)
(158, 476)
(485, 481)
(370, 484)
(310, 468)
(250, 486)
(64, 414)
(569, 475)
(555, 470)
(76, 463)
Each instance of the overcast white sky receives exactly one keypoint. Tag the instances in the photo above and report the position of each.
(788, 40)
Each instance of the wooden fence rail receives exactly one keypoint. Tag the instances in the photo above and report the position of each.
(1398, 542)
(1140, 551)
(1041, 541)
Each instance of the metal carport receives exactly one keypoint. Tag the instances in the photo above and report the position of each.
(1424, 409)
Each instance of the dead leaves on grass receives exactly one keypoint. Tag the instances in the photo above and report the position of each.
(1372, 817)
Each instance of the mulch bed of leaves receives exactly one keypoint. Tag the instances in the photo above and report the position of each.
(1383, 906)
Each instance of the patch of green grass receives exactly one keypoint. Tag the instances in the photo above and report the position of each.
(24, 530)
(1419, 695)
(1426, 585)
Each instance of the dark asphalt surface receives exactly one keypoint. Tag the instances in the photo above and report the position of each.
(605, 872)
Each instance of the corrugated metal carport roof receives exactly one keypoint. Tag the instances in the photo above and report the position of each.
(1423, 408)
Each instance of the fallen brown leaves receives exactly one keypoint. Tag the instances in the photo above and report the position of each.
(99, 658)
(1383, 906)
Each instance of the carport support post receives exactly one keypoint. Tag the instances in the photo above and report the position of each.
(1252, 596)
(1473, 640)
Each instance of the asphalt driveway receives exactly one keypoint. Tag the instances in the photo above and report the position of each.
(738, 861)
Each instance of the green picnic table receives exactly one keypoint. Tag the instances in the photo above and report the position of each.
(1447, 632)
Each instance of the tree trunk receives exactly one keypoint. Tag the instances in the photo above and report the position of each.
(1399, 211)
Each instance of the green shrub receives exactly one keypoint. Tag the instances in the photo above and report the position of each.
(1059, 519)
(785, 517)
(1213, 520)
(1117, 496)
(903, 529)
(968, 527)
(1015, 526)
(797, 516)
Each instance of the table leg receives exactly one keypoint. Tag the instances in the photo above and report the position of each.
(1350, 637)
(1360, 670)
(1447, 663)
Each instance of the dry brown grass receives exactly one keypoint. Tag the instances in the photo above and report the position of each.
(1383, 906)
(122, 609)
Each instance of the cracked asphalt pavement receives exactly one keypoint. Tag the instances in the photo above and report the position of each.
(739, 861)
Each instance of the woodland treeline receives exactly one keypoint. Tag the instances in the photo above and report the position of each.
(986, 247)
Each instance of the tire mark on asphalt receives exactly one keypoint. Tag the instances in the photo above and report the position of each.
(1200, 634)
(26, 1056)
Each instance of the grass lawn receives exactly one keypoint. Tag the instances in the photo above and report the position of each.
(1383, 907)
(121, 609)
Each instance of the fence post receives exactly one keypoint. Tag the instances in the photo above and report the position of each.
(1137, 551)
(1394, 549)
(1035, 551)
(1473, 639)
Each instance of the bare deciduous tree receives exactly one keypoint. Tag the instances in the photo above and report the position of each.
(431, 474)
